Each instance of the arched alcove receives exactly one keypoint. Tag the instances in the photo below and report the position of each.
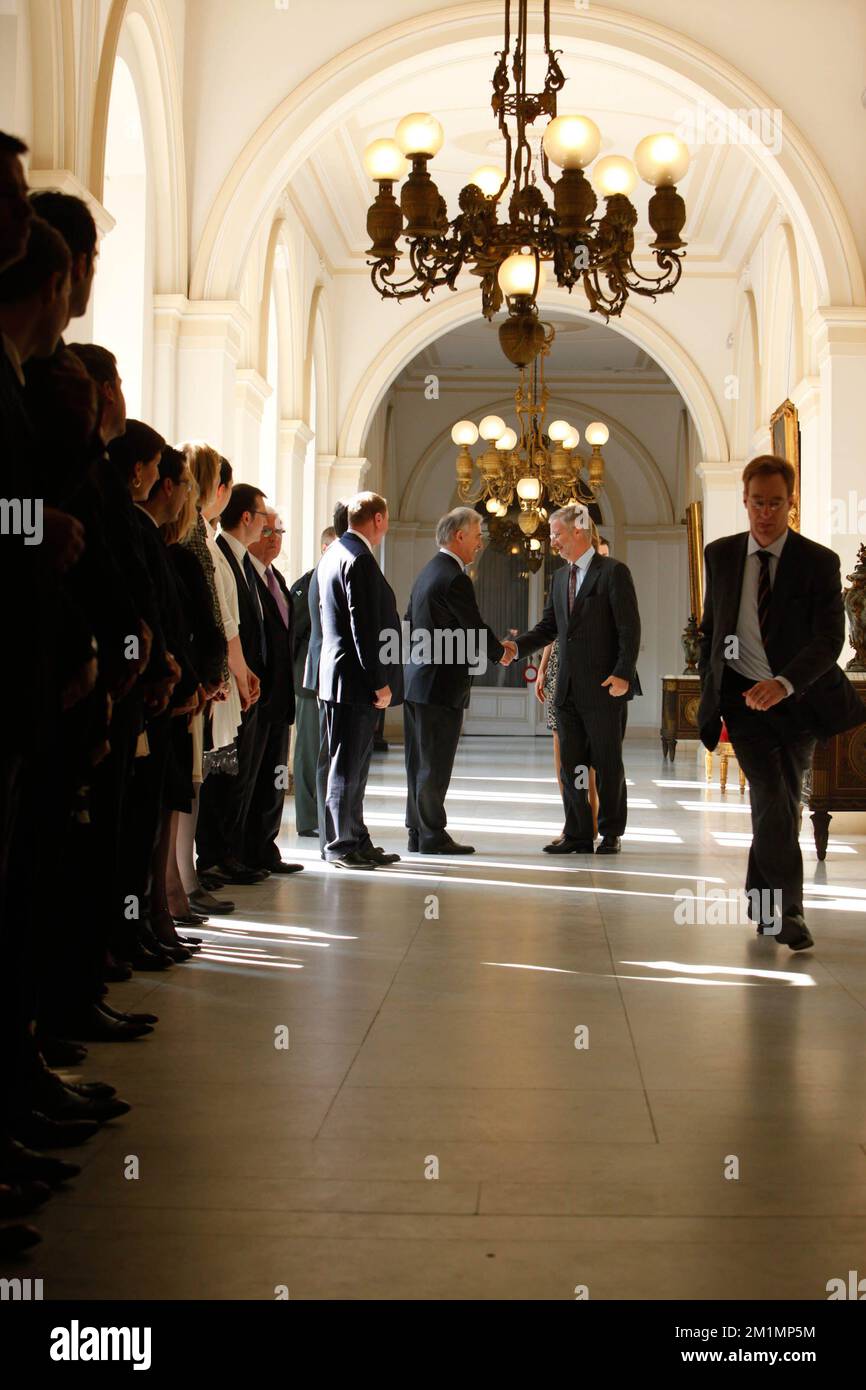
(122, 291)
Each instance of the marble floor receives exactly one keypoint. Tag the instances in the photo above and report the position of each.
(506, 1077)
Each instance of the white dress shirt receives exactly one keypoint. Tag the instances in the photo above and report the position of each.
(751, 660)
(581, 565)
(361, 537)
(443, 550)
(240, 553)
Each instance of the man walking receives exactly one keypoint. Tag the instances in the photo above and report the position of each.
(772, 630)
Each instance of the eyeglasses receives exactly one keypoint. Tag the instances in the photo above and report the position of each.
(755, 506)
(273, 531)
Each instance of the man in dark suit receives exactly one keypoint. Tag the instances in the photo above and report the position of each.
(225, 801)
(276, 709)
(449, 641)
(772, 630)
(359, 674)
(592, 610)
(311, 676)
(307, 734)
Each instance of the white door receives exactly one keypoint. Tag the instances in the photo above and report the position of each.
(511, 600)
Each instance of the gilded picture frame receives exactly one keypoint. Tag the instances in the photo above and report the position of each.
(785, 434)
(695, 540)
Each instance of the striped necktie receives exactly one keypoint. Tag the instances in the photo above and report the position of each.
(572, 585)
(764, 594)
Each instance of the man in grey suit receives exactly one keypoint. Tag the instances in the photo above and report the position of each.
(592, 610)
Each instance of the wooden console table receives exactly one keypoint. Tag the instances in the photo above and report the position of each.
(836, 780)
(681, 696)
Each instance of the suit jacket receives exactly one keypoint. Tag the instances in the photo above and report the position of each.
(278, 698)
(806, 632)
(302, 622)
(175, 609)
(251, 644)
(600, 639)
(443, 599)
(314, 646)
(360, 623)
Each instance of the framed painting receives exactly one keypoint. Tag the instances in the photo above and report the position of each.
(785, 434)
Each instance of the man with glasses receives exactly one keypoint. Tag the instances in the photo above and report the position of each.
(772, 630)
(277, 708)
(225, 800)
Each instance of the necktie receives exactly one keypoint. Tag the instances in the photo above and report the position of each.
(764, 593)
(279, 598)
(572, 585)
(250, 575)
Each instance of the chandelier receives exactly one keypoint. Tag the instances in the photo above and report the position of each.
(524, 475)
(512, 257)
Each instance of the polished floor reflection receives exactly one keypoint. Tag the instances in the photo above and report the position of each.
(506, 1076)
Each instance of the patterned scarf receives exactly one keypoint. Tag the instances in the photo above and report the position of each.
(196, 541)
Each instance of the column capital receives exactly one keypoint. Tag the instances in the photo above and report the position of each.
(64, 181)
(838, 330)
(720, 474)
(295, 436)
(251, 392)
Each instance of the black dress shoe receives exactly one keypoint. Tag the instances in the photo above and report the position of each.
(210, 882)
(116, 971)
(447, 847)
(20, 1164)
(565, 846)
(353, 860)
(57, 1052)
(610, 845)
(308, 834)
(205, 902)
(15, 1239)
(192, 919)
(64, 1104)
(22, 1198)
(377, 855)
(145, 959)
(192, 943)
(123, 1017)
(45, 1133)
(92, 1088)
(97, 1025)
(281, 867)
(242, 874)
(795, 934)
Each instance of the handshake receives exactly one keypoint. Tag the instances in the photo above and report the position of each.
(510, 651)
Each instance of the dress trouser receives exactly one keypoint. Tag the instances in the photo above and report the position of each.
(307, 742)
(322, 765)
(774, 748)
(350, 730)
(431, 735)
(224, 800)
(591, 736)
(265, 814)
